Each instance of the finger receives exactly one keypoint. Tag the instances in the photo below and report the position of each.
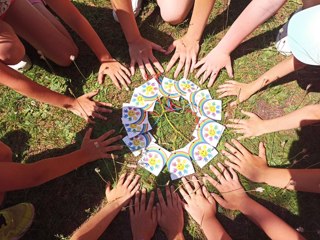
(234, 174)
(232, 165)
(209, 179)
(113, 148)
(112, 140)
(127, 72)
(201, 71)
(98, 116)
(87, 134)
(115, 81)
(157, 47)
(197, 187)
(168, 196)
(219, 176)
(241, 148)
(225, 172)
(231, 157)
(262, 151)
(151, 201)
(149, 67)
(104, 104)
(161, 199)
(205, 76)
(234, 103)
(172, 61)
(128, 179)
(235, 126)
(137, 202)
(154, 215)
(134, 182)
(132, 64)
(121, 80)
(136, 188)
(186, 67)
(193, 62)
(158, 212)
(207, 195)
(213, 78)
(235, 152)
(170, 49)
(187, 186)
(180, 66)
(156, 63)
(105, 135)
(219, 200)
(101, 77)
(174, 196)
(198, 64)
(143, 199)
(131, 211)
(184, 194)
(142, 70)
(249, 114)
(229, 69)
(108, 188)
(238, 121)
(121, 179)
(110, 156)
(226, 94)
(91, 94)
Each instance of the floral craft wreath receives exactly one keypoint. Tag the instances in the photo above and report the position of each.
(206, 135)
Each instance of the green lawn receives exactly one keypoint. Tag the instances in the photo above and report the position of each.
(36, 131)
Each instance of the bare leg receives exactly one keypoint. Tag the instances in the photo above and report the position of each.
(178, 13)
(11, 49)
(5, 156)
(40, 32)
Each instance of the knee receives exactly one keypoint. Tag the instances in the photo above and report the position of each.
(172, 17)
(5, 153)
(12, 52)
(64, 60)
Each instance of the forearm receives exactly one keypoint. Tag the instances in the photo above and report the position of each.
(16, 176)
(306, 180)
(71, 16)
(307, 115)
(201, 12)
(96, 225)
(213, 230)
(127, 20)
(272, 225)
(23, 85)
(254, 14)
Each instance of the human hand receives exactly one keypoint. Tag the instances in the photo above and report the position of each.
(141, 53)
(100, 147)
(212, 64)
(126, 187)
(240, 159)
(143, 220)
(170, 214)
(252, 127)
(233, 88)
(234, 196)
(118, 73)
(187, 51)
(199, 202)
(89, 109)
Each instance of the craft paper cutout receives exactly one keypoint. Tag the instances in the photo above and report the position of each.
(186, 87)
(168, 89)
(154, 159)
(210, 108)
(201, 152)
(179, 165)
(209, 131)
(138, 142)
(138, 100)
(133, 115)
(150, 90)
(196, 97)
(134, 129)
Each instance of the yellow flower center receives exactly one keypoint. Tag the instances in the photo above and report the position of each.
(212, 131)
(212, 108)
(149, 89)
(131, 113)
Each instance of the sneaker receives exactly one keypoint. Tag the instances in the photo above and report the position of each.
(24, 65)
(15, 221)
(136, 7)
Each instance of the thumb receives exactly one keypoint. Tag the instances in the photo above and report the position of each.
(157, 47)
(170, 49)
(249, 114)
(219, 200)
(229, 69)
(262, 151)
(91, 94)
(87, 134)
(234, 103)
(108, 188)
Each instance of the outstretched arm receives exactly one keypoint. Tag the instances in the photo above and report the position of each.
(117, 198)
(187, 47)
(14, 176)
(140, 49)
(256, 169)
(71, 16)
(235, 198)
(254, 14)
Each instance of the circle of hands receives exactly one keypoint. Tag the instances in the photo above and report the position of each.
(199, 203)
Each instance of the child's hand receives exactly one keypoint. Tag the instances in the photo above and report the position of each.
(240, 159)
(243, 91)
(141, 53)
(100, 147)
(89, 109)
(143, 220)
(126, 187)
(200, 204)
(252, 127)
(187, 50)
(119, 74)
(212, 64)
(170, 214)
(229, 187)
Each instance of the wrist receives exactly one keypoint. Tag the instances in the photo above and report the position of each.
(133, 40)
(245, 205)
(105, 58)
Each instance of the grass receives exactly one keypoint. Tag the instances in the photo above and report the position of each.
(36, 131)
